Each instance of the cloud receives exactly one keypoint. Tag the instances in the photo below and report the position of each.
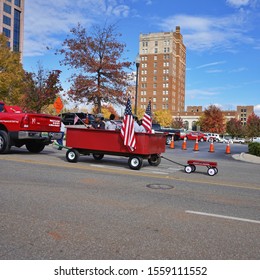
(238, 3)
(257, 109)
(211, 64)
(203, 33)
(200, 93)
(48, 22)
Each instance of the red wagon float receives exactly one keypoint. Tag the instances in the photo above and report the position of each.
(98, 142)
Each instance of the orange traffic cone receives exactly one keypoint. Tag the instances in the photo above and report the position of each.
(184, 144)
(211, 147)
(228, 148)
(172, 143)
(196, 145)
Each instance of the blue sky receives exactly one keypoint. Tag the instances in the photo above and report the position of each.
(222, 38)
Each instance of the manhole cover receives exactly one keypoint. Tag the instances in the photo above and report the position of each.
(159, 186)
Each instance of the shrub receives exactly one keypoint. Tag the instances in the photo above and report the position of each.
(254, 149)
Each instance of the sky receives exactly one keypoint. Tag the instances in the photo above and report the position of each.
(222, 39)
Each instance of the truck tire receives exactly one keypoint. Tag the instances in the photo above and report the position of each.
(35, 148)
(4, 142)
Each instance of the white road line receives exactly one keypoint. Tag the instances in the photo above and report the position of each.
(222, 216)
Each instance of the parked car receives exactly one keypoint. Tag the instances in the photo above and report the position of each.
(213, 136)
(256, 139)
(194, 135)
(68, 118)
(239, 140)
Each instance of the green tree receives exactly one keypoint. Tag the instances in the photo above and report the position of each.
(234, 128)
(11, 74)
(100, 75)
(41, 89)
(253, 126)
(212, 120)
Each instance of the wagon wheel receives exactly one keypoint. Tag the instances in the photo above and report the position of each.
(98, 156)
(193, 167)
(72, 155)
(188, 169)
(216, 170)
(154, 160)
(211, 171)
(135, 162)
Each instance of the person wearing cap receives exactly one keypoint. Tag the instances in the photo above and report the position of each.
(99, 122)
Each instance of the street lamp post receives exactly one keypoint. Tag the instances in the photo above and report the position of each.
(137, 63)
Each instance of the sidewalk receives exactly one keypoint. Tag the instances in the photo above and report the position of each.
(247, 157)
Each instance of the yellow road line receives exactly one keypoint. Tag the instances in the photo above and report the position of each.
(136, 173)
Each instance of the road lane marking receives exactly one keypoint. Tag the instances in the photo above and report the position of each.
(143, 173)
(222, 217)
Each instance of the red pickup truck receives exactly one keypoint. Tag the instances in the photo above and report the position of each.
(35, 131)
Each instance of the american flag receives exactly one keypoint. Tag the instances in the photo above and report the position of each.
(76, 118)
(147, 119)
(127, 130)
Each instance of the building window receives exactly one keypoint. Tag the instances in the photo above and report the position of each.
(155, 64)
(154, 99)
(17, 3)
(155, 57)
(145, 44)
(7, 20)
(16, 39)
(155, 50)
(7, 9)
(154, 92)
(7, 32)
(156, 43)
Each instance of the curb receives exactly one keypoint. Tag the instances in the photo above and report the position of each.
(247, 158)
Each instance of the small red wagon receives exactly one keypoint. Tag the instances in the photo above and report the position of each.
(211, 165)
(98, 142)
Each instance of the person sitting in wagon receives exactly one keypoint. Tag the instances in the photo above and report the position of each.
(111, 124)
(99, 122)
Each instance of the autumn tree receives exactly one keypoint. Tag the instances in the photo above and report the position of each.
(234, 128)
(177, 122)
(163, 117)
(41, 89)
(253, 126)
(11, 74)
(212, 120)
(96, 57)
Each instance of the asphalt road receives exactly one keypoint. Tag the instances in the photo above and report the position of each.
(52, 209)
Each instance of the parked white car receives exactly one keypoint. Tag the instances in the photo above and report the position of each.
(239, 140)
(256, 139)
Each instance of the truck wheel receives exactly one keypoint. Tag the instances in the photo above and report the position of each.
(135, 163)
(4, 142)
(35, 147)
(154, 160)
(72, 155)
(98, 156)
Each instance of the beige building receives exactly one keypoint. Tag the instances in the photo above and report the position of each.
(162, 71)
(12, 23)
(193, 113)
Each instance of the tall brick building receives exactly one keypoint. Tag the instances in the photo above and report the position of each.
(12, 22)
(162, 71)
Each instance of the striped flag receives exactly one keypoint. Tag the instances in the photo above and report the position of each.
(127, 130)
(147, 119)
(76, 118)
